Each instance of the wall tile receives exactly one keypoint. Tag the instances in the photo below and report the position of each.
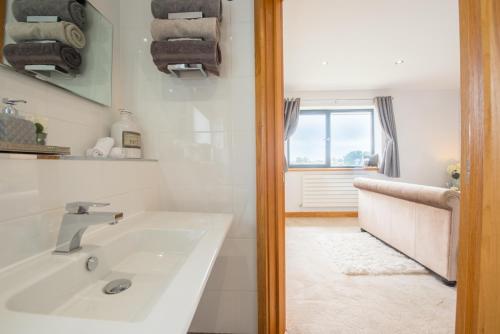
(226, 312)
(242, 40)
(196, 158)
(33, 194)
(236, 266)
(202, 130)
(243, 104)
(245, 212)
(241, 11)
(243, 158)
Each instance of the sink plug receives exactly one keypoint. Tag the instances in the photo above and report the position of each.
(117, 286)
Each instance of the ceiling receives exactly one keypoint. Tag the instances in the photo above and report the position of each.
(362, 39)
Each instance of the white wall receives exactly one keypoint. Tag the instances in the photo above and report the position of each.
(33, 194)
(428, 125)
(429, 131)
(72, 120)
(203, 133)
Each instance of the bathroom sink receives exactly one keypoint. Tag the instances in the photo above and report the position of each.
(149, 258)
(154, 266)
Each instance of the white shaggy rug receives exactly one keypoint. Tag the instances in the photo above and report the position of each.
(362, 254)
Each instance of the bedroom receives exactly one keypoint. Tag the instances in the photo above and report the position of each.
(360, 77)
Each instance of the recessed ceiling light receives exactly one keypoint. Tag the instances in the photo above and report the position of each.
(324, 63)
(399, 62)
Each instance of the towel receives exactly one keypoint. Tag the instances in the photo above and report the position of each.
(188, 51)
(133, 153)
(66, 10)
(65, 57)
(64, 32)
(102, 148)
(209, 8)
(206, 29)
(118, 153)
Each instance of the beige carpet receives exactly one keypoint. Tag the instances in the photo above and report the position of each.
(322, 300)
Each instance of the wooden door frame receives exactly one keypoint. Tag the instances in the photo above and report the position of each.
(478, 305)
(270, 161)
(478, 302)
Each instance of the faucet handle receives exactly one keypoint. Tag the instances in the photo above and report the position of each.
(6, 100)
(79, 208)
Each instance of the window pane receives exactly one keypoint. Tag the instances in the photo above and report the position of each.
(351, 138)
(308, 144)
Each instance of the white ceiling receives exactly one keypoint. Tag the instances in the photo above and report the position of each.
(362, 39)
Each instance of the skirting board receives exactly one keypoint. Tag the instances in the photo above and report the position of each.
(322, 214)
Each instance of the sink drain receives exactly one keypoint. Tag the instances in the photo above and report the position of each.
(117, 286)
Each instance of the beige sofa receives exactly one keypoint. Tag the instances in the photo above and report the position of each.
(419, 221)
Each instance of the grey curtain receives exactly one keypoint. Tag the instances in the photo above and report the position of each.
(390, 161)
(292, 113)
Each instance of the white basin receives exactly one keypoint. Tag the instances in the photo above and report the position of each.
(167, 257)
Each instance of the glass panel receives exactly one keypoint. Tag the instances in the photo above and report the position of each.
(308, 144)
(351, 138)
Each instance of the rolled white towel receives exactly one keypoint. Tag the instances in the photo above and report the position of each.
(64, 32)
(102, 148)
(118, 153)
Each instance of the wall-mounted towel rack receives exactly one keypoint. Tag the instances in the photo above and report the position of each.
(43, 72)
(178, 69)
(35, 19)
(185, 16)
(186, 36)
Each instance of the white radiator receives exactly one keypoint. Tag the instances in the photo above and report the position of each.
(333, 190)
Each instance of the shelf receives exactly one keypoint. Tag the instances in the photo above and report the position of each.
(42, 19)
(178, 69)
(82, 158)
(6, 147)
(46, 71)
(20, 156)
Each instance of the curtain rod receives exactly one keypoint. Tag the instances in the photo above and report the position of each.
(333, 99)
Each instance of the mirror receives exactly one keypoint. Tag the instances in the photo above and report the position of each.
(67, 43)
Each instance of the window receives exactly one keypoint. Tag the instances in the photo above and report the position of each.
(332, 138)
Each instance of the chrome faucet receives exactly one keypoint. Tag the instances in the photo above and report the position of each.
(77, 219)
(9, 107)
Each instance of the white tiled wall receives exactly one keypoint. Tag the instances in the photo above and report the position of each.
(72, 120)
(203, 133)
(201, 130)
(33, 194)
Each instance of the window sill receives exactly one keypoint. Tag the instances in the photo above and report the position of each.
(338, 169)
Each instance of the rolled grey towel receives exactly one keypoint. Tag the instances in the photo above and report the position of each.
(206, 53)
(64, 32)
(206, 29)
(66, 10)
(209, 8)
(63, 56)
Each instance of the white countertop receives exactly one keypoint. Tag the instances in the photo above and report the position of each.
(174, 305)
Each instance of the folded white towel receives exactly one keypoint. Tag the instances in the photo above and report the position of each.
(102, 148)
(134, 153)
(118, 153)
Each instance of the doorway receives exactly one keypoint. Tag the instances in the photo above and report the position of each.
(479, 259)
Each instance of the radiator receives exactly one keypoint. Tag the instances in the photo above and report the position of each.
(333, 190)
